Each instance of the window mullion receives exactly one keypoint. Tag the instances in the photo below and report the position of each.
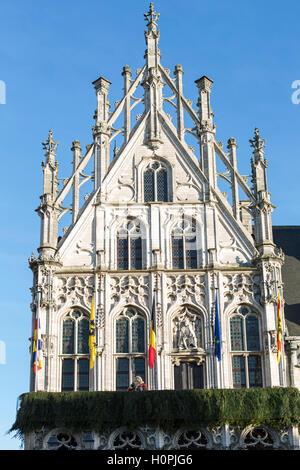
(129, 249)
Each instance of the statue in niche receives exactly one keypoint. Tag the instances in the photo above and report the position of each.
(187, 336)
(187, 331)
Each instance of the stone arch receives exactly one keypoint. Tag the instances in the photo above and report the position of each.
(123, 439)
(258, 437)
(190, 227)
(192, 440)
(62, 439)
(142, 167)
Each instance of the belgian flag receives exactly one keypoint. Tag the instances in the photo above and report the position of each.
(152, 338)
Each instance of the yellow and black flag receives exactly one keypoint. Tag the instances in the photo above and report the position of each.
(92, 336)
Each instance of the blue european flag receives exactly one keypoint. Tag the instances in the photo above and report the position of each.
(217, 332)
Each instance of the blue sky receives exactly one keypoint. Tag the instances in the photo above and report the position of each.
(52, 51)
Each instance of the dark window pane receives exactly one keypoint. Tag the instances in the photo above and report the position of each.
(255, 373)
(83, 374)
(83, 337)
(238, 372)
(236, 333)
(138, 367)
(122, 253)
(191, 253)
(138, 335)
(149, 186)
(177, 252)
(162, 186)
(122, 337)
(67, 375)
(136, 253)
(68, 337)
(122, 373)
(252, 332)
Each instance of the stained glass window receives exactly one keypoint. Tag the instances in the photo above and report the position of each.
(122, 247)
(138, 335)
(245, 337)
(162, 185)
(130, 341)
(68, 336)
(129, 246)
(184, 244)
(177, 252)
(149, 195)
(136, 253)
(122, 373)
(67, 375)
(156, 183)
(252, 332)
(75, 341)
(255, 372)
(191, 253)
(83, 374)
(238, 372)
(122, 335)
(83, 337)
(236, 332)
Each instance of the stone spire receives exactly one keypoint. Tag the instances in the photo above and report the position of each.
(152, 53)
(47, 209)
(263, 207)
(50, 166)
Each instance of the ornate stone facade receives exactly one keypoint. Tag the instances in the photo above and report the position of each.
(156, 226)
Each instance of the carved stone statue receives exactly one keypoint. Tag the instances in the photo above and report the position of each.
(187, 338)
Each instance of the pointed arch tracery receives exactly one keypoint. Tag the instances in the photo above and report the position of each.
(130, 346)
(184, 244)
(75, 351)
(130, 245)
(155, 181)
(246, 347)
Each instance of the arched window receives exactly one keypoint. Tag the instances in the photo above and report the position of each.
(246, 354)
(130, 348)
(156, 183)
(129, 246)
(75, 351)
(183, 242)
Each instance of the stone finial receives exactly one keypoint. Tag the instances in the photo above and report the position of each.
(231, 142)
(50, 146)
(257, 143)
(151, 17)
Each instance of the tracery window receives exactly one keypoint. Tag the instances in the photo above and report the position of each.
(130, 348)
(184, 244)
(75, 351)
(130, 246)
(156, 183)
(246, 353)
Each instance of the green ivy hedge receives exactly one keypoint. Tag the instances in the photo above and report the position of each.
(168, 409)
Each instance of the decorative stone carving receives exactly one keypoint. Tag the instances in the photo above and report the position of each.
(256, 437)
(186, 288)
(75, 289)
(242, 288)
(231, 253)
(130, 289)
(187, 331)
